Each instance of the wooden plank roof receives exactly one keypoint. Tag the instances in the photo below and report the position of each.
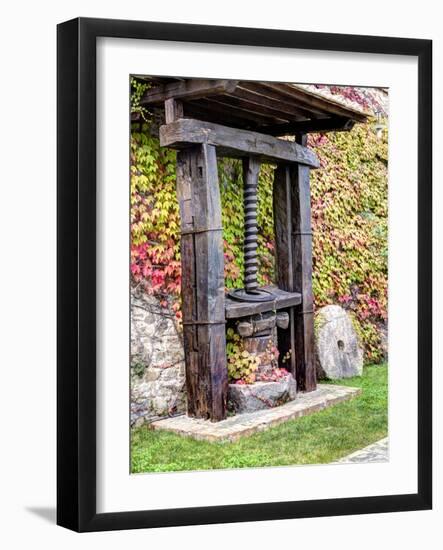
(268, 107)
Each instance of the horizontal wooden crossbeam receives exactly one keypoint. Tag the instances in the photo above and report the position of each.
(187, 89)
(231, 142)
(234, 309)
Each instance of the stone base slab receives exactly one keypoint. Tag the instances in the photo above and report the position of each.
(375, 453)
(246, 424)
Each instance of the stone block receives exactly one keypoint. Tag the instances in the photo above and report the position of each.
(261, 395)
(157, 384)
(256, 344)
(338, 350)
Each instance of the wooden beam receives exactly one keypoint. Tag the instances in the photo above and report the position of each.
(235, 143)
(317, 104)
(316, 125)
(223, 105)
(218, 110)
(173, 110)
(302, 273)
(329, 104)
(235, 309)
(187, 89)
(293, 243)
(203, 292)
(263, 102)
(204, 112)
(289, 93)
(284, 261)
(253, 109)
(261, 91)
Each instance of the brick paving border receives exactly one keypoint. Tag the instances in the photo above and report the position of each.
(246, 424)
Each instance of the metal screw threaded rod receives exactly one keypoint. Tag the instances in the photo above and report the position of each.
(251, 168)
(251, 292)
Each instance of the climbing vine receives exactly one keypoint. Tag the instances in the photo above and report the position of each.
(242, 365)
(231, 191)
(349, 216)
(350, 225)
(155, 247)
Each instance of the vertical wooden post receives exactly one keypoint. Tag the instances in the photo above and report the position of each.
(302, 253)
(282, 202)
(173, 110)
(293, 235)
(203, 291)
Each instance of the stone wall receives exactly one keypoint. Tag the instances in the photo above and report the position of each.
(157, 360)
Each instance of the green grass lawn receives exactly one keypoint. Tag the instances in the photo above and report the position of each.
(322, 437)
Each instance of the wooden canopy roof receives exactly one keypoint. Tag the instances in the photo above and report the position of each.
(268, 107)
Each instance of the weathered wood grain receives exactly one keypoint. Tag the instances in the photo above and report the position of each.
(236, 106)
(203, 110)
(202, 282)
(173, 110)
(292, 220)
(302, 254)
(261, 101)
(234, 142)
(187, 89)
(235, 309)
(262, 91)
(319, 106)
(282, 204)
(335, 123)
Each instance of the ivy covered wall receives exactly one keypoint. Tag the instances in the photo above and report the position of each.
(349, 214)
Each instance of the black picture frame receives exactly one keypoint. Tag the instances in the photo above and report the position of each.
(76, 281)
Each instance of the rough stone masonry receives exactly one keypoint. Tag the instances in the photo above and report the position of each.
(157, 360)
(158, 367)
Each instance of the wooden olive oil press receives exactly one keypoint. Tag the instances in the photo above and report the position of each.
(206, 119)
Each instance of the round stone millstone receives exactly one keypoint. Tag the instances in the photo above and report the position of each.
(338, 350)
